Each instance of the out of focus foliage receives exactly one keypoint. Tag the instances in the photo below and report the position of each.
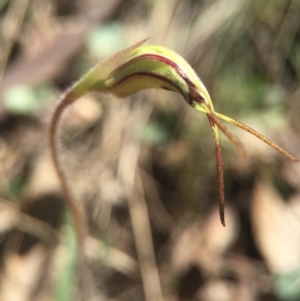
(147, 162)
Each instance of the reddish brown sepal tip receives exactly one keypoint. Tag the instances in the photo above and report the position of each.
(223, 223)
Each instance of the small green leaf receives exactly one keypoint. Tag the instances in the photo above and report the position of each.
(155, 134)
(160, 131)
(25, 100)
(109, 38)
(287, 286)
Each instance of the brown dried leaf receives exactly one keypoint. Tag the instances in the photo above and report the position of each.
(21, 273)
(216, 238)
(276, 228)
(8, 216)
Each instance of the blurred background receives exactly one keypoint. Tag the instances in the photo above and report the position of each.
(144, 167)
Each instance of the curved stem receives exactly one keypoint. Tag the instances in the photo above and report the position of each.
(74, 206)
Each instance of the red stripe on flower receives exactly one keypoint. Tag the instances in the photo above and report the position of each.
(148, 74)
(161, 59)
